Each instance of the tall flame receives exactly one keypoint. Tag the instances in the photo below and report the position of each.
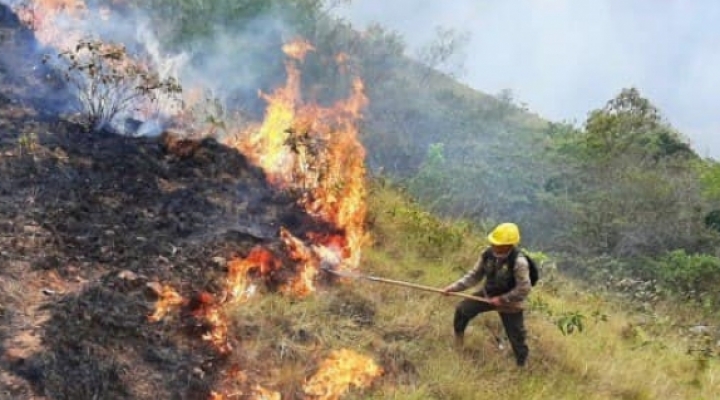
(316, 151)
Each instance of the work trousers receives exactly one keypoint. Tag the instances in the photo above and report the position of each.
(513, 323)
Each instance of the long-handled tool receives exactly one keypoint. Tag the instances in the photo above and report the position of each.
(353, 275)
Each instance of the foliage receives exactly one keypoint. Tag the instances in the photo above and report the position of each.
(108, 81)
(445, 52)
(628, 183)
(631, 123)
(694, 276)
(710, 177)
(186, 21)
(433, 236)
(570, 323)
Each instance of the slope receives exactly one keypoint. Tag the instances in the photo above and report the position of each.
(98, 230)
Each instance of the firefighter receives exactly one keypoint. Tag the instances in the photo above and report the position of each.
(506, 271)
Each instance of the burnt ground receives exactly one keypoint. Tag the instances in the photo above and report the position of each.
(89, 223)
(86, 223)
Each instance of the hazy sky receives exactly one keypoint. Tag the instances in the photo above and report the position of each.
(566, 57)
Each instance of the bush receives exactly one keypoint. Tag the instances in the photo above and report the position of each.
(433, 236)
(109, 82)
(694, 276)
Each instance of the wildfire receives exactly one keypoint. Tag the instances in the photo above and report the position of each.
(310, 149)
(315, 150)
(341, 370)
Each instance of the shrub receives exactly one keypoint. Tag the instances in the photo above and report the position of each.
(109, 82)
(694, 276)
(433, 236)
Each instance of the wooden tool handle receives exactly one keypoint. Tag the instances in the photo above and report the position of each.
(426, 288)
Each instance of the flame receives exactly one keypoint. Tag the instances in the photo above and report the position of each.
(342, 369)
(168, 300)
(297, 49)
(204, 306)
(265, 394)
(305, 260)
(218, 332)
(259, 393)
(315, 151)
(43, 17)
(260, 261)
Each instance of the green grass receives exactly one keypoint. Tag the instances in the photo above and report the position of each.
(409, 333)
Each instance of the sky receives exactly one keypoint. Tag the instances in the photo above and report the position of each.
(564, 58)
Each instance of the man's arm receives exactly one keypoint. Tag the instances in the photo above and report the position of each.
(522, 282)
(475, 275)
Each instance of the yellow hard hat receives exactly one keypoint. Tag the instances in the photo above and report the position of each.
(505, 234)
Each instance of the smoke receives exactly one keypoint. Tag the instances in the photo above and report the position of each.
(230, 65)
(564, 58)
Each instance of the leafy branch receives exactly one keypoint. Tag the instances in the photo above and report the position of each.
(109, 82)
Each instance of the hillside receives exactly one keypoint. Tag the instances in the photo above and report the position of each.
(92, 226)
(187, 266)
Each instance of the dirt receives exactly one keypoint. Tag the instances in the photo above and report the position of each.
(90, 223)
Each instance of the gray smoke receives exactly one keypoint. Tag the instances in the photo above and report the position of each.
(230, 65)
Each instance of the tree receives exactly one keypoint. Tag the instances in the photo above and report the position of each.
(445, 52)
(630, 123)
(630, 182)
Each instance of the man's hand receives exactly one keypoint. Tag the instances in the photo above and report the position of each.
(447, 290)
(496, 301)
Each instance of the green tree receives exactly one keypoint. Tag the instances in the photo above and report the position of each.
(626, 185)
(630, 123)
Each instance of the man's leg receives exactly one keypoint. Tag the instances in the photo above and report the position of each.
(465, 311)
(514, 324)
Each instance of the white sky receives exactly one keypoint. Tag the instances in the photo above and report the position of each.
(564, 58)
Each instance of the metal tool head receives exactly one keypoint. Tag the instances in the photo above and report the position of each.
(335, 270)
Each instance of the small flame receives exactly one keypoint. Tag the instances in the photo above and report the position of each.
(218, 332)
(259, 393)
(297, 49)
(305, 260)
(265, 394)
(168, 300)
(207, 308)
(341, 370)
(259, 261)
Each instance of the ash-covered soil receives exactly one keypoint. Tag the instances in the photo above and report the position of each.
(91, 223)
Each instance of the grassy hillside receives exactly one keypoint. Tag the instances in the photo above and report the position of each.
(620, 353)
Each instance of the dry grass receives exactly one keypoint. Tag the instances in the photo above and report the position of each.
(409, 334)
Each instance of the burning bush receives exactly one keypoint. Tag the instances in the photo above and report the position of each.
(108, 82)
